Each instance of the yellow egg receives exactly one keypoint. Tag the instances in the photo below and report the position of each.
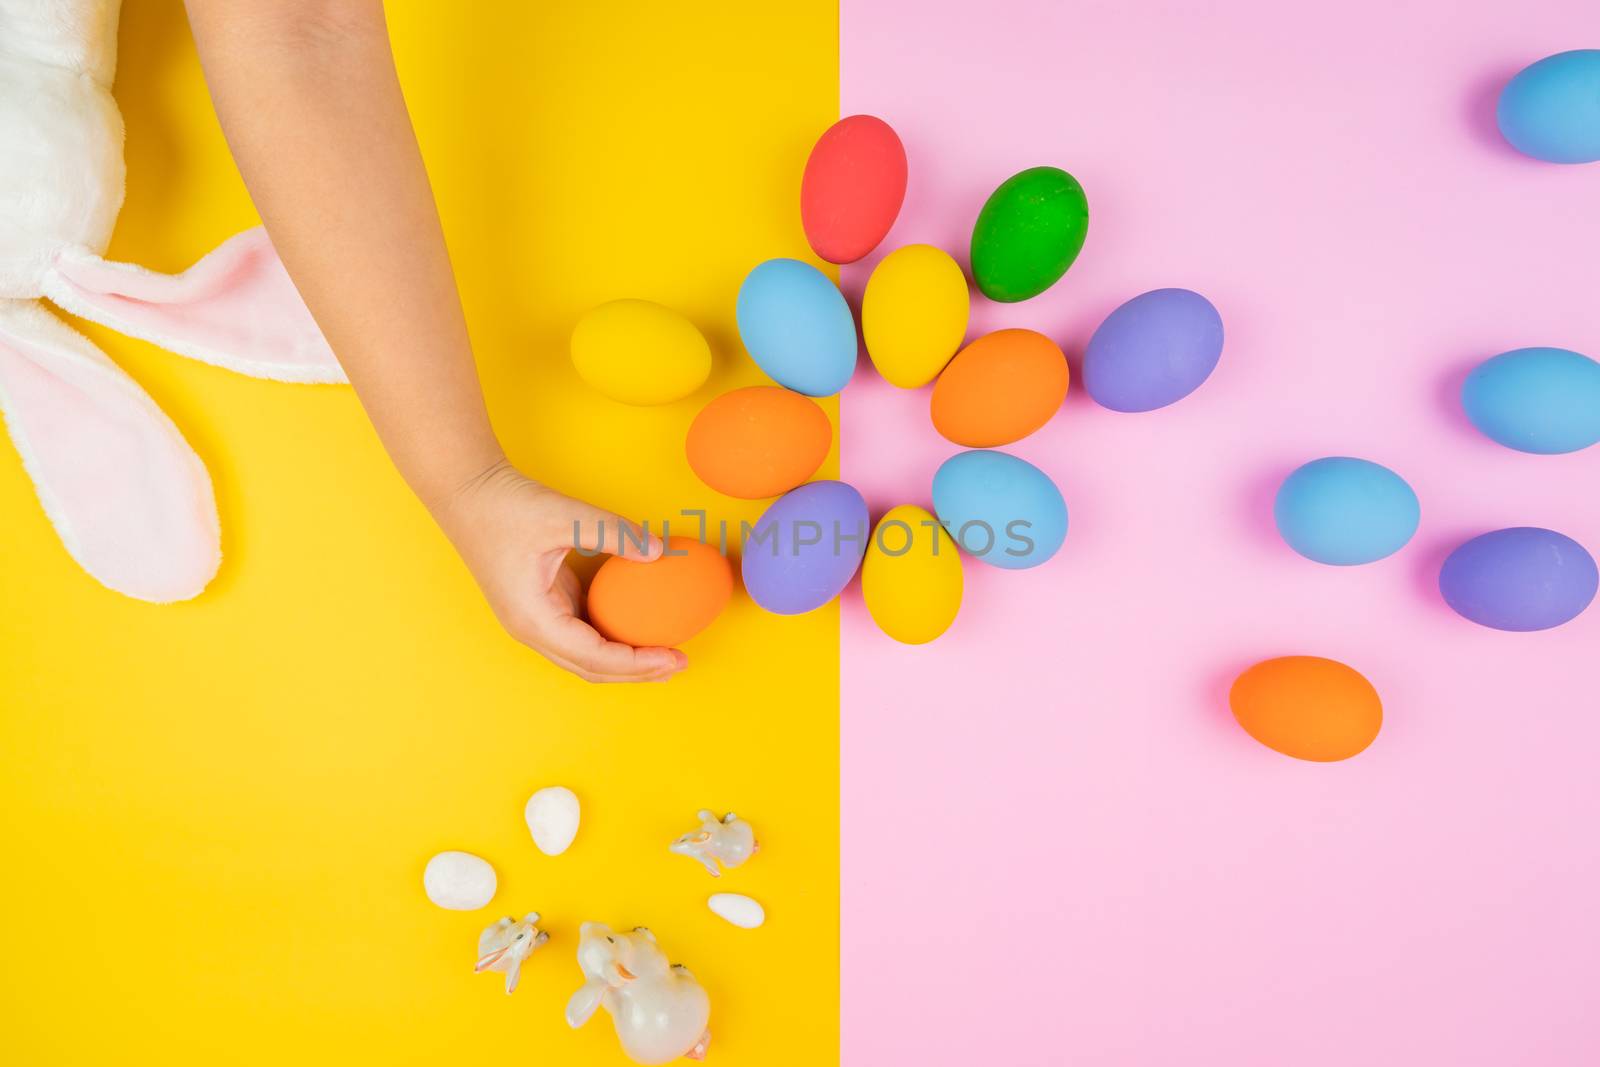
(914, 314)
(911, 579)
(640, 353)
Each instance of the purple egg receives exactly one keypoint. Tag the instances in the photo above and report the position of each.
(1153, 351)
(1524, 578)
(806, 547)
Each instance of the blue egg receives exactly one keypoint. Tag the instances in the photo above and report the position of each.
(1524, 578)
(1153, 351)
(1541, 400)
(805, 548)
(1551, 110)
(1000, 509)
(1345, 511)
(797, 327)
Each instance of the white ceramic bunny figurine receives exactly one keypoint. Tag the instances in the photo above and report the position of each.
(659, 1010)
(729, 839)
(504, 944)
(130, 500)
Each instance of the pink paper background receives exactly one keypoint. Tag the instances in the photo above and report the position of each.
(1058, 847)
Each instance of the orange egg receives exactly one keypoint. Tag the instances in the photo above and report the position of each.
(1000, 388)
(663, 602)
(1307, 707)
(758, 442)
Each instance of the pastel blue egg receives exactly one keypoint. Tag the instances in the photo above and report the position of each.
(797, 327)
(1000, 509)
(1541, 400)
(1551, 110)
(1524, 578)
(1344, 511)
(806, 547)
(1153, 351)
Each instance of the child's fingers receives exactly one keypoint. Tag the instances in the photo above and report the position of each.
(597, 530)
(577, 646)
(588, 674)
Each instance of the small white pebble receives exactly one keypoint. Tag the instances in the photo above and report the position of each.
(552, 817)
(459, 881)
(738, 909)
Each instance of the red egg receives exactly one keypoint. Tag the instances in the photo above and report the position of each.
(854, 184)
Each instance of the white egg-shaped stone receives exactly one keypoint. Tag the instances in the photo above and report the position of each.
(459, 881)
(552, 816)
(740, 910)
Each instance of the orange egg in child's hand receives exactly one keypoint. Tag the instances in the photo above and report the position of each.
(664, 602)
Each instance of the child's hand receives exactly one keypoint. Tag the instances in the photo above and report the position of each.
(341, 188)
(514, 535)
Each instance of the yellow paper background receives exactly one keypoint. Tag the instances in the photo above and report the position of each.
(217, 813)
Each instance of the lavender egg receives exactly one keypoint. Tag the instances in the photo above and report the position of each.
(806, 547)
(1153, 351)
(1524, 578)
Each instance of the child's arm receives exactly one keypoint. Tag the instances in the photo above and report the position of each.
(308, 98)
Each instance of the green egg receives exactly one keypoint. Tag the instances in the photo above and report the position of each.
(1028, 233)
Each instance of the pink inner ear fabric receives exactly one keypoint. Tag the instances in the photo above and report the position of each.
(236, 308)
(130, 500)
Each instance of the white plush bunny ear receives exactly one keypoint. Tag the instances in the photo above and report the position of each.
(129, 498)
(236, 308)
